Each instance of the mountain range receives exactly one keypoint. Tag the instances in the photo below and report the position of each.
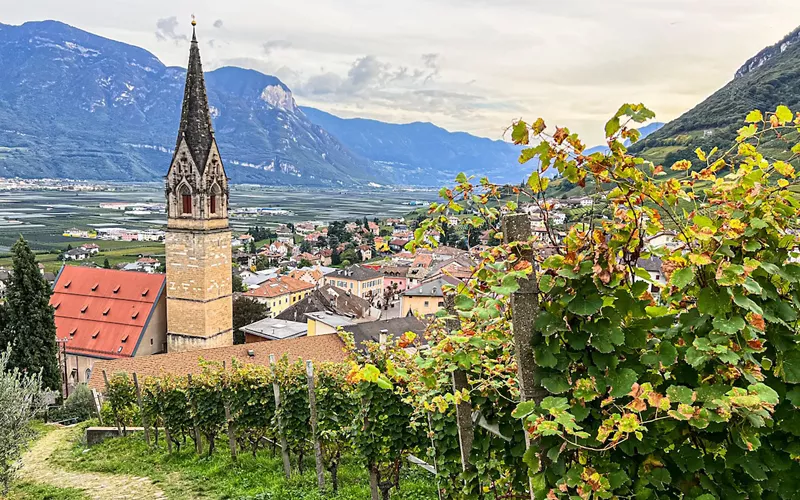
(80, 106)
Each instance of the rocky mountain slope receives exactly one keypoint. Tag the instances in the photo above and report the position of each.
(77, 105)
(769, 79)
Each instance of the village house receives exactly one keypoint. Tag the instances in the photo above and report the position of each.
(358, 280)
(77, 254)
(285, 234)
(394, 277)
(144, 265)
(269, 329)
(653, 267)
(325, 323)
(305, 227)
(397, 244)
(253, 280)
(313, 259)
(426, 299)
(92, 248)
(330, 299)
(663, 239)
(366, 252)
(383, 330)
(279, 248)
(312, 275)
(279, 293)
(108, 314)
(245, 259)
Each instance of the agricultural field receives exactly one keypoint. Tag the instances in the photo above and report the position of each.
(42, 216)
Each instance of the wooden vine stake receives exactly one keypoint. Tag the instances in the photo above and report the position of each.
(97, 405)
(466, 433)
(141, 409)
(312, 406)
(116, 420)
(524, 305)
(287, 466)
(231, 430)
(198, 444)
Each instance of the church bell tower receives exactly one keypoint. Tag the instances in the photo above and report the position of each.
(198, 238)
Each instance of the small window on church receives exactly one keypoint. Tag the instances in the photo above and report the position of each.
(187, 203)
(213, 204)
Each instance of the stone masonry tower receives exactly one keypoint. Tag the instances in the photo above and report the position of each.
(198, 239)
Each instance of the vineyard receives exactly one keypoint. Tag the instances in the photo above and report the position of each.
(555, 372)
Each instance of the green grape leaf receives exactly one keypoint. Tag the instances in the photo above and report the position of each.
(586, 306)
(682, 277)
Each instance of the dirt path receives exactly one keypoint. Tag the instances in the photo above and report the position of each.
(36, 467)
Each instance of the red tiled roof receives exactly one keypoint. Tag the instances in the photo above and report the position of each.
(422, 260)
(275, 287)
(319, 348)
(97, 308)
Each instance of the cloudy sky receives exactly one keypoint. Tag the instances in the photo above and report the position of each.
(471, 65)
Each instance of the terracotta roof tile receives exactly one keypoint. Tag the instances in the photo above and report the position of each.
(96, 308)
(275, 287)
(320, 348)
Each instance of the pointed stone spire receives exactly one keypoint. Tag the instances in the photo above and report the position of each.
(195, 124)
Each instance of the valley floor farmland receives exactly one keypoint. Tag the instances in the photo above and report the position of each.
(42, 216)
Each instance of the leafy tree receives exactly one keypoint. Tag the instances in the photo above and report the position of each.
(335, 258)
(236, 282)
(262, 262)
(304, 263)
(20, 402)
(106, 264)
(305, 246)
(252, 248)
(351, 255)
(30, 324)
(245, 312)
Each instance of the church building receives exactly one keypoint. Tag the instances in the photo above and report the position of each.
(198, 238)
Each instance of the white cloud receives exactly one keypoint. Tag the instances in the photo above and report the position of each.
(273, 45)
(166, 30)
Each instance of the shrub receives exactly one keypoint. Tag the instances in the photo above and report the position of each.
(79, 406)
(20, 401)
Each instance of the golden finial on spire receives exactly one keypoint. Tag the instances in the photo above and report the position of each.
(194, 21)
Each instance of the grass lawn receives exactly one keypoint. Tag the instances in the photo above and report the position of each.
(184, 475)
(36, 491)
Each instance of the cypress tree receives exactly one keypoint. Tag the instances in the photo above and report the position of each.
(30, 320)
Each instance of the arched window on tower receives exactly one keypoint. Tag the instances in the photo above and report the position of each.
(216, 193)
(186, 200)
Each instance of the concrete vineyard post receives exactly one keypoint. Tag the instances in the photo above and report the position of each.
(312, 405)
(524, 305)
(276, 388)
